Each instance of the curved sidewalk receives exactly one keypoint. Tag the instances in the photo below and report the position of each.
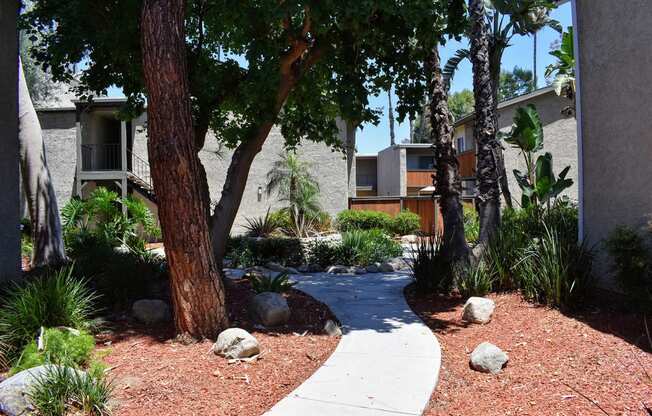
(387, 362)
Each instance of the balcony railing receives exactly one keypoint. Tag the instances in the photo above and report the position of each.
(107, 157)
(98, 157)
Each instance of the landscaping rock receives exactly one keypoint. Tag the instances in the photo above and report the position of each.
(386, 267)
(488, 358)
(338, 269)
(13, 391)
(227, 263)
(316, 268)
(409, 239)
(398, 263)
(236, 343)
(373, 268)
(304, 268)
(478, 310)
(332, 329)
(270, 309)
(291, 270)
(150, 311)
(360, 270)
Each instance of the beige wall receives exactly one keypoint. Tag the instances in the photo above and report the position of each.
(615, 113)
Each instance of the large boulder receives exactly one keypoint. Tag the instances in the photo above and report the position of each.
(332, 329)
(478, 310)
(373, 268)
(14, 400)
(150, 311)
(398, 263)
(386, 267)
(236, 343)
(270, 309)
(488, 358)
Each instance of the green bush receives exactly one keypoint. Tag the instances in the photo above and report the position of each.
(632, 265)
(246, 252)
(324, 253)
(473, 280)
(431, 272)
(364, 247)
(60, 347)
(405, 222)
(63, 390)
(55, 299)
(555, 271)
(279, 284)
(350, 220)
(471, 224)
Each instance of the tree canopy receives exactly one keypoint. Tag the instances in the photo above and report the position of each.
(517, 82)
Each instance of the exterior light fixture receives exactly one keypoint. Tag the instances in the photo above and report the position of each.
(260, 193)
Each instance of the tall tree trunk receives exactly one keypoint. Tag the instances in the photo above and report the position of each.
(390, 112)
(495, 58)
(488, 199)
(448, 183)
(195, 280)
(37, 184)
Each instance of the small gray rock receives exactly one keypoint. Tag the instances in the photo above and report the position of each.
(338, 269)
(360, 270)
(398, 263)
(488, 358)
(291, 270)
(236, 343)
(150, 311)
(315, 268)
(13, 391)
(270, 309)
(478, 310)
(304, 268)
(332, 329)
(227, 263)
(373, 268)
(386, 267)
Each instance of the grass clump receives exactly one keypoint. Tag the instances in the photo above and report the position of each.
(64, 390)
(473, 280)
(279, 284)
(54, 299)
(431, 272)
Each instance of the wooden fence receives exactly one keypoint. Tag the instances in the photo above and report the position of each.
(425, 206)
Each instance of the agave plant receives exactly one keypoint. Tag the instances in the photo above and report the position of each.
(539, 183)
(261, 226)
(279, 284)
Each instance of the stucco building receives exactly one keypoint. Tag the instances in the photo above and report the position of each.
(87, 145)
(559, 132)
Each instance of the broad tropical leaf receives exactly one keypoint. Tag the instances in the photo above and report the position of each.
(545, 178)
(527, 130)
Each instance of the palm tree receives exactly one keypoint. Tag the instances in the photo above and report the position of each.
(488, 199)
(294, 184)
(505, 19)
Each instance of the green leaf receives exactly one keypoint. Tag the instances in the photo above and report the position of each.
(545, 178)
(527, 131)
(524, 183)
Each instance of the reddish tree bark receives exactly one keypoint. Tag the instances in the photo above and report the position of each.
(196, 284)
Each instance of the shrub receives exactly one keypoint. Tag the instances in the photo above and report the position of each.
(62, 390)
(350, 220)
(324, 253)
(56, 299)
(60, 347)
(323, 223)
(405, 222)
(363, 247)
(473, 280)
(471, 224)
(279, 284)
(555, 271)
(632, 265)
(261, 226)
(245, 251)
(431, 272)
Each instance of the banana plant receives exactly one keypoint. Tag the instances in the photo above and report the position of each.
(564, 70)
(539, 183)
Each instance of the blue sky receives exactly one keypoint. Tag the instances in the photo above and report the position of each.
(372, 138)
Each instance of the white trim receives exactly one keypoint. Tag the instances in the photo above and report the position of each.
(578, 117)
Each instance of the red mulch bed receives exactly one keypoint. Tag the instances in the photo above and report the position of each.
(555, 360)
(157, 375)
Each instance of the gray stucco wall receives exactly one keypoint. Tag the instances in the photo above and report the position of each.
(327, 166)
(59, 137)
(391, 172)
(615, 57)
(559, 138)
(9, 170)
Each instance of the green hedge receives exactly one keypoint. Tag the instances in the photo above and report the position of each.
(405, 222)
(247, 251)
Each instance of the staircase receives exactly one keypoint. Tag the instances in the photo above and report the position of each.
(139, 176)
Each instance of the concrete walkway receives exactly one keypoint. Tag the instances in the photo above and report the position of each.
(387, 362)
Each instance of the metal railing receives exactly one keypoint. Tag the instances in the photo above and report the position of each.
(140, 169)
(101, 157)
(108, 157)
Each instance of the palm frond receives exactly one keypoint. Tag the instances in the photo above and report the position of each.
(452, 64)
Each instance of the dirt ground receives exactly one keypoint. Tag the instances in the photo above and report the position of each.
(156, 375)
(592, 363)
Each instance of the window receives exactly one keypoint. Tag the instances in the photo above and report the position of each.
(468, 187)
(461, 145)
(426, 162)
